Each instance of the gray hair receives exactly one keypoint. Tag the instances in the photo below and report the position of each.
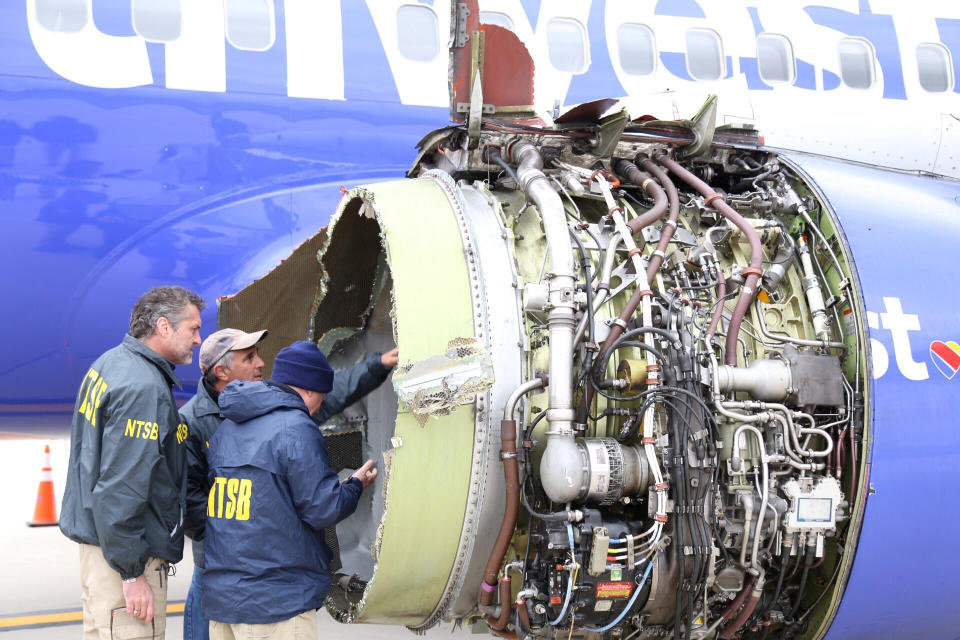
(170, 302)
(225, 361)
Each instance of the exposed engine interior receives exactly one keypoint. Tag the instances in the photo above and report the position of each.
(687, 447)
(632, 397)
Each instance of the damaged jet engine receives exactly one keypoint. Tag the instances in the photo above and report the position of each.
(632, 398)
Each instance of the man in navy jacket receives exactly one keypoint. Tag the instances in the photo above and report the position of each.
(272, 494)
(225, 356)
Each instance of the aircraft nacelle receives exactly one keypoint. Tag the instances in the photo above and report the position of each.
(638, 396)
(586, 336)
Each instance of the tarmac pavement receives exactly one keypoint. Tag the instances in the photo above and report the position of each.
(40, 573)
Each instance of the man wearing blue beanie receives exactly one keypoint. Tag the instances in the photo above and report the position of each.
(272, 494)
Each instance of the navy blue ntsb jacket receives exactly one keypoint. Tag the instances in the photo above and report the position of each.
(272, 493)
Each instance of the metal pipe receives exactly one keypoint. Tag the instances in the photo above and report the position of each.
(746, 499)
(603, 286)
(811, 286)
(718, 312)
(558, 462)
(514, 399)
(633, 174)
(779, 337)
(765, 495)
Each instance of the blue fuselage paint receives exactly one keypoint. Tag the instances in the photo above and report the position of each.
(903, 231)
(107, 192)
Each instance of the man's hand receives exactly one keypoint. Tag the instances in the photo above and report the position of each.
(390, 358)
(139, 597)
(367, 473)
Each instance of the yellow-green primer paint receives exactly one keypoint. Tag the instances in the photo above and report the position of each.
(429, 473)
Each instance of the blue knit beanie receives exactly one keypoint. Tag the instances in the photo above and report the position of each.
(303, 365)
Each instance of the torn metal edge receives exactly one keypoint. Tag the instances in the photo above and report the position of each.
(437, 385)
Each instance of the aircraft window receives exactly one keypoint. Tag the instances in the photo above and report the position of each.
(856, 63)
(704, 54)
(638, 49)
(567, 45)
(497, 18)
(250, 24)
(417, 30)
(156, 20)
(62, 15)
(775, 59)
(935, 67)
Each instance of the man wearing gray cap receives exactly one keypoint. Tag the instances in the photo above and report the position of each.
(225, 356)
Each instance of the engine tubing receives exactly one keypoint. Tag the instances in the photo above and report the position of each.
(511, 475)
(756, 253)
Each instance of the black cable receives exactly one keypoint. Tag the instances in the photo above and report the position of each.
(784, 560)
(807, 561)
(493, 155)
(589, 289)
(552, 517)
(528, 431)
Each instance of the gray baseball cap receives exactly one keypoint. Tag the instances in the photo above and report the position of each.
(219, 343)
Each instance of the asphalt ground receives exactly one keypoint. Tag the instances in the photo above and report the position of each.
(40, 571)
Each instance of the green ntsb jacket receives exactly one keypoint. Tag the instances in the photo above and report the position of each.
(126, 483)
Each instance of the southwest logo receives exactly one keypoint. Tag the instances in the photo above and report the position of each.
(946, 357)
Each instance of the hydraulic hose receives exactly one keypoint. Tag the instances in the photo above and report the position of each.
(731, 629)
(632, 174)
(499, 624)
(718, 312)
(735, 604)
(752, 272)
(666, 233)
(511, 475)
(493, 157)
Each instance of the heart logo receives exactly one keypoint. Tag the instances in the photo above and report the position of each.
(946, 357)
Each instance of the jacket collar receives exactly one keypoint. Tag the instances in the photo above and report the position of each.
(205, 405)
(149, 354)
(289, 390)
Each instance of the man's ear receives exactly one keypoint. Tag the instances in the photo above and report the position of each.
(163, 327)
(220, 372)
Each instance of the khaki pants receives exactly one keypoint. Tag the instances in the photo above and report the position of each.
(104, 609)
(301, 627)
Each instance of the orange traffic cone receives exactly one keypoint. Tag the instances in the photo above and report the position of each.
(45, 513)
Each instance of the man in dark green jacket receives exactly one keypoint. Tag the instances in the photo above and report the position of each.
(125, 497)
(225, 356)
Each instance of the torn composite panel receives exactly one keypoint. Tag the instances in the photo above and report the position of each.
(280, 301)
(435, 386)
(426, 477)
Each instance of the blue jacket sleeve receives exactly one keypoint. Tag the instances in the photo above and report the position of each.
(319, 497)
(352, 384)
